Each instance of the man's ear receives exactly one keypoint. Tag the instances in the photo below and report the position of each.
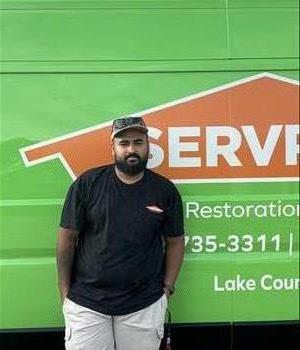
(112, 147)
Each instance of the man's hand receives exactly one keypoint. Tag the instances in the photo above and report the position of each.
(174, 258)
(63, 293)
(167, 292)
(66, 245)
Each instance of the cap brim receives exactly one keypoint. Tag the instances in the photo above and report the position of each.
(135, 127)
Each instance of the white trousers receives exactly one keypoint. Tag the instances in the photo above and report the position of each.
(86, 329)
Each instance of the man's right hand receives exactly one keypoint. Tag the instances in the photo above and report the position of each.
(63, 293)
(65, 249)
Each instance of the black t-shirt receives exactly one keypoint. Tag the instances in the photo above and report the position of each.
(119, 259)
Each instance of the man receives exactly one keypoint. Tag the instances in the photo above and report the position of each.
(119, 249)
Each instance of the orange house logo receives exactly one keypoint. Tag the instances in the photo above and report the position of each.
(244, 131)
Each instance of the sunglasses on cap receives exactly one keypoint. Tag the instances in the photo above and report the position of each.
(126, 123)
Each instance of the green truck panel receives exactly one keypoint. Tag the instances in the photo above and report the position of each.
(67, 66)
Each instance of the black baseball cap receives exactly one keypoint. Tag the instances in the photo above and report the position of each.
(126, 123)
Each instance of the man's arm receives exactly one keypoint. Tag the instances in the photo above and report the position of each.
(174, 259)
(65, 248)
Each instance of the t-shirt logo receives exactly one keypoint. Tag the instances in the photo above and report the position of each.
(154, 208)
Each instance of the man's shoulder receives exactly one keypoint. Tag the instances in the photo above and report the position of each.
(160, 179)
(95, 173)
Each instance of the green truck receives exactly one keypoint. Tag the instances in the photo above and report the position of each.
(217, 83)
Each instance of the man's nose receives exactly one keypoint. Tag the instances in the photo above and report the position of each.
(131, 148)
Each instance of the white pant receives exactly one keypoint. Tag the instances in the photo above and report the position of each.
(90, 330)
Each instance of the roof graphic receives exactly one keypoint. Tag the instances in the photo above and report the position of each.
(262, 105)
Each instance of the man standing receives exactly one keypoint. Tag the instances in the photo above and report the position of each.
(119, 249)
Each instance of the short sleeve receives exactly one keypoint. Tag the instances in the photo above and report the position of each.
(174, 226)
(72, 215)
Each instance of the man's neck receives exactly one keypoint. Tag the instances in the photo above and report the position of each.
(128, 179)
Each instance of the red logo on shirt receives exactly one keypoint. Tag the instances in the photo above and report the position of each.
(154, 208)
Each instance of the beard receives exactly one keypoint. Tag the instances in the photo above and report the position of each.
(128, 168)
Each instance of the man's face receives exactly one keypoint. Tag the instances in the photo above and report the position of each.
(130, 150)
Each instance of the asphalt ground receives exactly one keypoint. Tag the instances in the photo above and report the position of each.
(276, 336)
